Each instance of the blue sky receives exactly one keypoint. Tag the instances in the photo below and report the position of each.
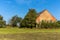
(9, 8)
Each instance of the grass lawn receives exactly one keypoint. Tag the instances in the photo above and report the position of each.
(22, 30)
(29, 34)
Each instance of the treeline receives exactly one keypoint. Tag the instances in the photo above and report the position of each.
(29, 21)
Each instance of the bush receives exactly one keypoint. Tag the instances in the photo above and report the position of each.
(48, 25)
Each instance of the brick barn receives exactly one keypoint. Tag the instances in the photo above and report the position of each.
(46, 16)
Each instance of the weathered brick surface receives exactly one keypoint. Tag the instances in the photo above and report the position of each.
(46, 16)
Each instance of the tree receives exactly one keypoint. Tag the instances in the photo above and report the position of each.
(58, 21)
(48, 24)
(2, 22)
(15, 21)
(58, 24)
(1, 18)
(30, 19)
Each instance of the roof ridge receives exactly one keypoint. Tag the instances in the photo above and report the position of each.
(47, 11)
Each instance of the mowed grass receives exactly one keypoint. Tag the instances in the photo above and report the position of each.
(29, 34)
(26, 30)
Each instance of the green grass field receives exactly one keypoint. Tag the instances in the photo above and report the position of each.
(29, 34)
(22, 30)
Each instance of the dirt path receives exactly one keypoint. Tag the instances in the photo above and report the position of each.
(31, 36)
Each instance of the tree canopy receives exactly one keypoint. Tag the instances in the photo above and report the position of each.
(15, 21)
(2, 22)
(30, 19)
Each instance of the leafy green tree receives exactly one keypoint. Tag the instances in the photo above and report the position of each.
(2, 22)
(44, 24)
(30, 19)
(47, 24)
(58, 24)
(58, 21)
(15, 21)
(1, 18)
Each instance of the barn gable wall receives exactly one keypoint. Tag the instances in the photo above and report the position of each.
(46, 16)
